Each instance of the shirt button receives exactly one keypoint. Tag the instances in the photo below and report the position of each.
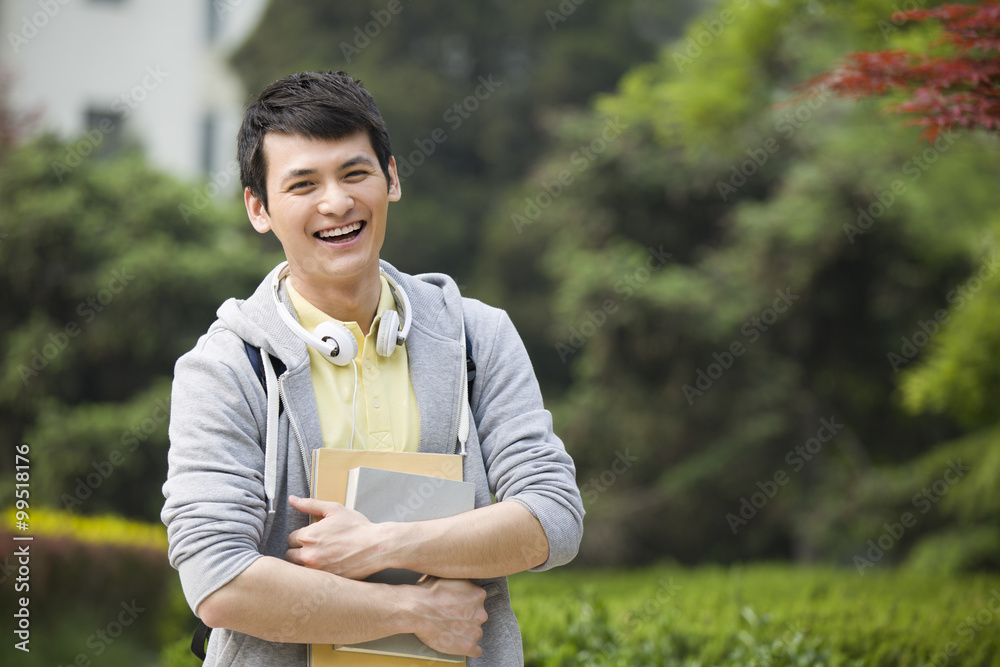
(377, 403)
(368, 363)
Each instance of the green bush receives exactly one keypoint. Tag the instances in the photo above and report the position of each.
(99, 587)
(759, 615)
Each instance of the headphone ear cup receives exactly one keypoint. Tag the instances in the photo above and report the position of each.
(337, 334)
(388, 329)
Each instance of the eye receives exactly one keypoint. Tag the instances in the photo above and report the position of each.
(356, 175)
(300, 185)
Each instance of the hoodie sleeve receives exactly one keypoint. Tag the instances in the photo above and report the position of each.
(525, 461)
(214, 506)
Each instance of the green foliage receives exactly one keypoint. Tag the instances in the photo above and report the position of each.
(950, 492)
(178, 654)
(426, 65)
(697, 366)
(108, 279)
(99, 587)
(960, 375)
(760, 615)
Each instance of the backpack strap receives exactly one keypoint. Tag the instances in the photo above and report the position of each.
(470, 365)
(256, 361)
(253, 354)
(200, 640)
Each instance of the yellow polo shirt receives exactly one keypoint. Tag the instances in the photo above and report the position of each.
(386, 408)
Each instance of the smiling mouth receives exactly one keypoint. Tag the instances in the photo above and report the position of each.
(341, 234)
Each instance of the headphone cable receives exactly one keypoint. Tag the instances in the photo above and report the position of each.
(354, 403)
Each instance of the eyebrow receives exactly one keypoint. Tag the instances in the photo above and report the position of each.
(352, 162)
(356, 160)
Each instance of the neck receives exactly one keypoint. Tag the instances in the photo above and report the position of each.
(353, 299)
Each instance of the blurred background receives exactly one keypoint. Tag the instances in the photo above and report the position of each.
(764, 316)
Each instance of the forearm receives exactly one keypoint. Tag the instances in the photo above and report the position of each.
(282, 602)
(493, 541)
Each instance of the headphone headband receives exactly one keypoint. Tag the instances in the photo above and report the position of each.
(402, 306)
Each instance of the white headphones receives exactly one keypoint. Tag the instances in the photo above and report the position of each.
(334, 340)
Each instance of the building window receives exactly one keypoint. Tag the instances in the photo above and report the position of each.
(209, 133)
(214, 24)
(107, 124)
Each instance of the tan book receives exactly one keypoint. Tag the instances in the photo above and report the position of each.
(330, 471)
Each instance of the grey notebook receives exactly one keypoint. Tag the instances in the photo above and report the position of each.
(388, 495)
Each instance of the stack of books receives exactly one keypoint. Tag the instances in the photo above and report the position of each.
(389, 486)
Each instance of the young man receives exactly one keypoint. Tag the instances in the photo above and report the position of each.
(318, 172)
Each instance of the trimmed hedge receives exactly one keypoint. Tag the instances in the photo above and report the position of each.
(757, 615)
(99, 587)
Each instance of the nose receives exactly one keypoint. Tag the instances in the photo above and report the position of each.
(335, 201)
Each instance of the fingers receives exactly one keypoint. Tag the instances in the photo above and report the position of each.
(312, 506)
(454, 617)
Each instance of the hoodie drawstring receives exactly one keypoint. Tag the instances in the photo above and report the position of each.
(271, 440)
(463, 407)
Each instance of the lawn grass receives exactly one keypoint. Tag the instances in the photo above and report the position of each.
(765, 614)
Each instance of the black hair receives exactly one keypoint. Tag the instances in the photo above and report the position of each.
(322, 105)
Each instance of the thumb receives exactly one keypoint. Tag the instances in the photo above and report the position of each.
(312, 506)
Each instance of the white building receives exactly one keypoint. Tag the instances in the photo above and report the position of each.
(151, 71)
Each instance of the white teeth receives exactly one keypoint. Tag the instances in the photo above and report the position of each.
(340, 231)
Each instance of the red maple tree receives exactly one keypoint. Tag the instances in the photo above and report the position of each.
(959, 90)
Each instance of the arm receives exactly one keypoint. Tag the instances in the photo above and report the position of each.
(536, 525)
(322, 608)
(215, 514)
(491, 541)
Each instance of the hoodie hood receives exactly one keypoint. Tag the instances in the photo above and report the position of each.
(435, 304)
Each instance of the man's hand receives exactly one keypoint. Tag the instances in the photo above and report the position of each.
(453, 615)
(342, 542)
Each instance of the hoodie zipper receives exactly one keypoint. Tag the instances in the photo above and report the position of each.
(298, 437)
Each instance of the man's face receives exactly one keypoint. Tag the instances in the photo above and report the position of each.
(327, 201)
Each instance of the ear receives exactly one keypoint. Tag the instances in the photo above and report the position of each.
(395, 189)
(258, 215)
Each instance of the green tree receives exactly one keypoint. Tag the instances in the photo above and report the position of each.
(748, 378)
(110, 272)
(466, 90)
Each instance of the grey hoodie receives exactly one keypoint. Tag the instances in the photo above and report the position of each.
(218, 495)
